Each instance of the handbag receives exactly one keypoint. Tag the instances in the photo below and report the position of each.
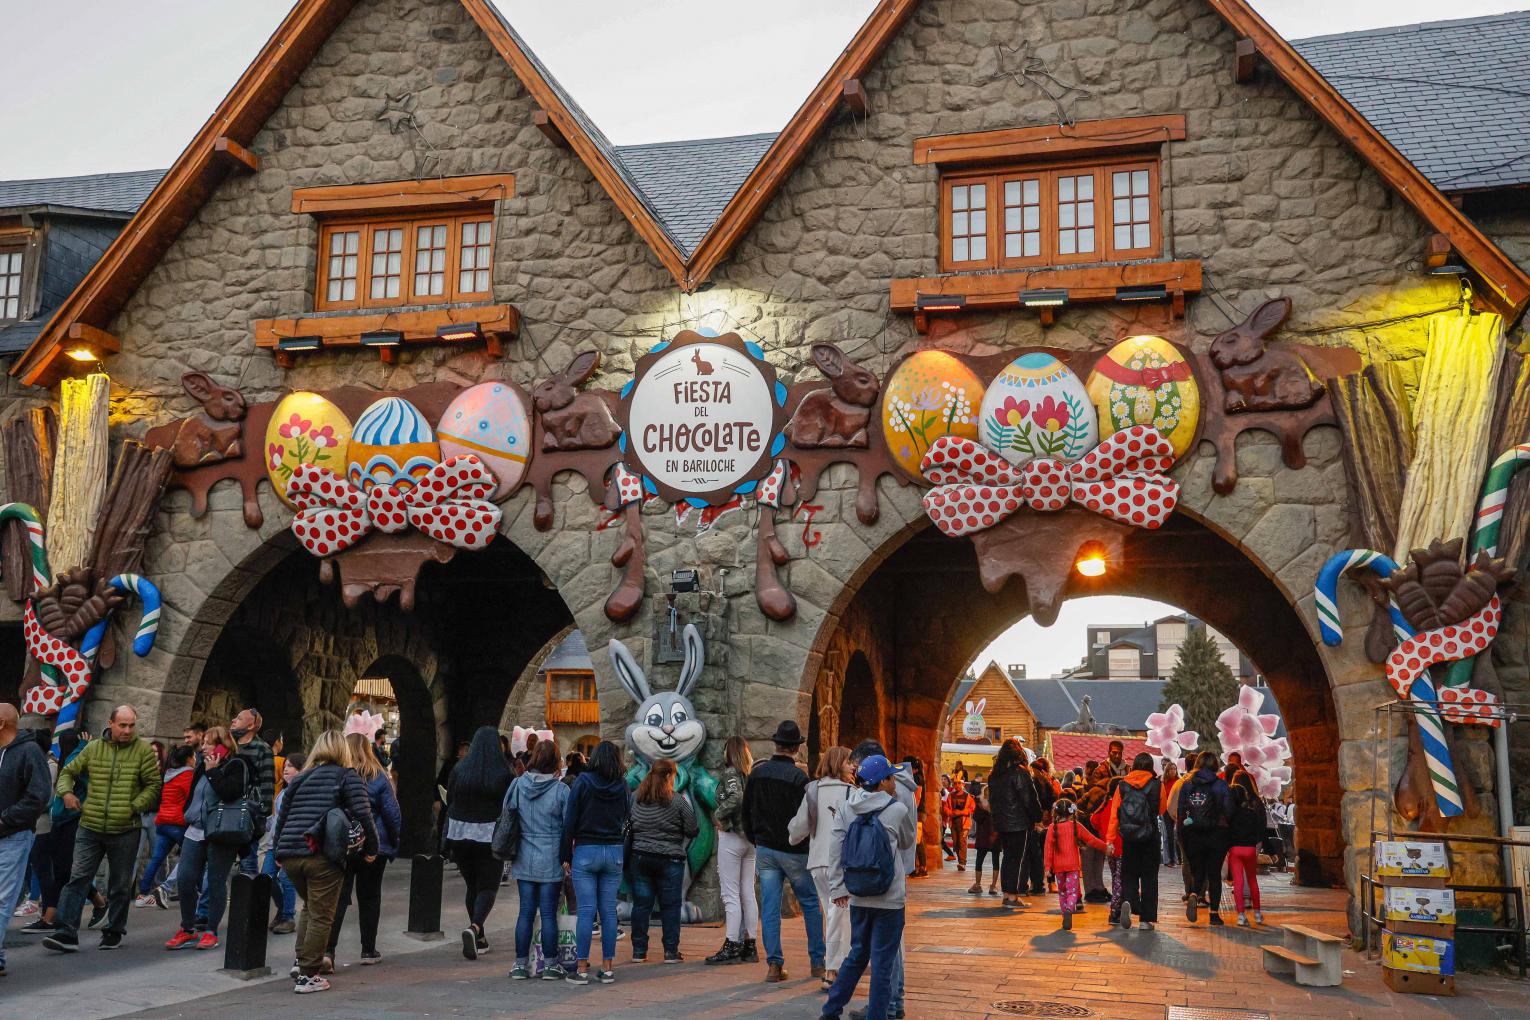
(506, 842)
(343, 836)
(232, 822)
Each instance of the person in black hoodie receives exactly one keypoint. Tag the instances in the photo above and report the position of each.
(772, 795)
(1016, 810)
(1205, 810)
(1035, 873)
(474, 796)
(1246, 831)
(594, 825)
(327, 783)
(24, 790)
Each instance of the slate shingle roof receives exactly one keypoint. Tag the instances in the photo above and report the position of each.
(689, 183)
(115, 193)
(571, 653)
(1453, 96)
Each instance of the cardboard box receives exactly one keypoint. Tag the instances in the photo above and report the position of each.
(1418, 984)
(1410, 904)
(1418, 953)
(1411, 859)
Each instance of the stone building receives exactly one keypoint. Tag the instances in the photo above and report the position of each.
(1259, 184)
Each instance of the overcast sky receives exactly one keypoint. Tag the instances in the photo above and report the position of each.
(99, 85)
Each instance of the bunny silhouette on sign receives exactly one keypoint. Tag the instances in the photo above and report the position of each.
(836, 417)
(972, 726)
(572, 420)
(1260, 378)
(666, 726)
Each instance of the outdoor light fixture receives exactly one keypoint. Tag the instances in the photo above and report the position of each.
(684, 581)
(1091, 560)
(940, 302)
(382, 338)
(460, 331)
(1151, 292)
(297, 344)
(1046, 298)
(82, 354)
(1448, 269)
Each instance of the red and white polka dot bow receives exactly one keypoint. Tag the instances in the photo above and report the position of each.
(1122, 478)
(449, 504)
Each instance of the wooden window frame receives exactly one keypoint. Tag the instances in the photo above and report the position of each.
(1047, 173)
(369, 226)
(27, 253)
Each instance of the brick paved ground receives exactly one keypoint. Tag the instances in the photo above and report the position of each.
(965, 954)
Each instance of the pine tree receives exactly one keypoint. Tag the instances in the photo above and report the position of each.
(1202, 684)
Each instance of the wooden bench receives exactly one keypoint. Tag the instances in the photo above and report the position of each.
(1311, 956)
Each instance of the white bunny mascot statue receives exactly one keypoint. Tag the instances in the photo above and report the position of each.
(666, 726)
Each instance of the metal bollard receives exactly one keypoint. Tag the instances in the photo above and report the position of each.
(425, 898)
(244, 945)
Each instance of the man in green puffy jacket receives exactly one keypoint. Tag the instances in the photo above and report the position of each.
(124, 783)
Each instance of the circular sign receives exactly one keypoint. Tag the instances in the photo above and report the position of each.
(703, 418)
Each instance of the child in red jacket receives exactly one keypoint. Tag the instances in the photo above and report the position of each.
(1061, 856)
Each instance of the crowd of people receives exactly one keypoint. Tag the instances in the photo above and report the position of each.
(1065, 831)
(571, 831)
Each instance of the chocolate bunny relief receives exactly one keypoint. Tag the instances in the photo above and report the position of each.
(1258, 377)
(835, 417)
(217, 433)
(572, 420)
(666, 726)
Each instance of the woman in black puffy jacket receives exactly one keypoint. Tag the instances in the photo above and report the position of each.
(1015, 808)
(328, 782)
(1246, 830)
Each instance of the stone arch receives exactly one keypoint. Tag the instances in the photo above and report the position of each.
(420, 746)
(861, 715)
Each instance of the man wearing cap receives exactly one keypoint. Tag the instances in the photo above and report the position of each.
(876, 921)
(772, 795)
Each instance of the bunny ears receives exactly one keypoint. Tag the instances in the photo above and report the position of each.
(635, 682)
(365, 723)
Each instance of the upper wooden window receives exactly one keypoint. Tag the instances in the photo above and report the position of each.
(385, 261)
(10, 283)
(1053, 213)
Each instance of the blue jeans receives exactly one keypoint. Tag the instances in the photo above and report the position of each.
(875, 936)
(165, 837)
(282, 893)
(775, 870)
(535, 897)
(1170, 845)
(656, 877)
(213, 862)
(597, 875)
(15, 850)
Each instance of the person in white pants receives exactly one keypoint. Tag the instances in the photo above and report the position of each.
(824, 799)
(735, 860)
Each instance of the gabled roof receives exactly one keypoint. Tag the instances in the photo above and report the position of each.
(689, 184)
(119, 194)
(195, 175)
(1451, 95)
(571, 654)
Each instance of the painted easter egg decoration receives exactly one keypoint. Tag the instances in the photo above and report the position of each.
(1037, 407)
(1145, 380)
(305, 428)
(391, 444)
(490, 422)
(932, 394)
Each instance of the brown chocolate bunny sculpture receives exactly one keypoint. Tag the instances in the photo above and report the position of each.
(836, 417)
(1258, 377)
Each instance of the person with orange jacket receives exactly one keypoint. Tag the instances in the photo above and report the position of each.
(1133, 831)
(1061, 856)
(959, 807)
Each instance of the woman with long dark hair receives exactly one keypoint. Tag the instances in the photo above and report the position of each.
(591, 850)
(474, 798)
(1012, 801)
(1245, 832)
(662, 825)
(221, 778)
(366, 877)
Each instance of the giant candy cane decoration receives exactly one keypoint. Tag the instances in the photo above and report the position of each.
(53, 676)
(1431, 728)
(143, 642)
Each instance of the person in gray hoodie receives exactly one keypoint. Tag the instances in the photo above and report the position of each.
(876, 922)
(23, 795)
(539, 799)
(908, 795)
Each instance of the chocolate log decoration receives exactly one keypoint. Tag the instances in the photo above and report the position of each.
(132, 496)
(30, 441)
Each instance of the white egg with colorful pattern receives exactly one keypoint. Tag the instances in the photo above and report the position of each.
(1037, 407)
(391, 444)
(490, 422)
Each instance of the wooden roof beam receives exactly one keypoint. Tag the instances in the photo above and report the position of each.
(853, 95)
(234, 156)
(545, 125)
(1245, 60)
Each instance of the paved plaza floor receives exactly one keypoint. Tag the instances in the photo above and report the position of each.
(967, 958)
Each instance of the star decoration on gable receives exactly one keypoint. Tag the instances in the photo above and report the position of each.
(398, 112)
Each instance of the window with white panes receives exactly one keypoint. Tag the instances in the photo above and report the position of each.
(10, 284)
(1060, 213)
(389, 261)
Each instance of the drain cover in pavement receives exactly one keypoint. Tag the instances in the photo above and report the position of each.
(1202, 1013)
(1031, 1007)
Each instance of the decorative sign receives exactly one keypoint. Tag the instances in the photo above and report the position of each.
(702, 418)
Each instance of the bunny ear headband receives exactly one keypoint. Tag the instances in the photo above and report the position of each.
(365, 723)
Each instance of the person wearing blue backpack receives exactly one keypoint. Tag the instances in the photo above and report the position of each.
(866, 872)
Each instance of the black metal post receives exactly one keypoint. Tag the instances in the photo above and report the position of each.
(425, 898)
(244, 946)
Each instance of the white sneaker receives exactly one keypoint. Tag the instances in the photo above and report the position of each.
(146, 900)
(1242, 919)
(1258, 917)
(1147, 925)
(307, 985)
(27, 908)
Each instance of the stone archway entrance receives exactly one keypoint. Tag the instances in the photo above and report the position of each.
(923, 642)
(415, 752)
